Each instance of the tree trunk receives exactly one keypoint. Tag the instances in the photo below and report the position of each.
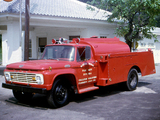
(129, 43)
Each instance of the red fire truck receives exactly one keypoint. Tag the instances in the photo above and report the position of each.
(80, 66)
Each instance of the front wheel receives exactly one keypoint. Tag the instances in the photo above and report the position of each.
(132, 80)
(59, 95)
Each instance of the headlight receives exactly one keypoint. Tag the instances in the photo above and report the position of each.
(39, 79)
(7, 76)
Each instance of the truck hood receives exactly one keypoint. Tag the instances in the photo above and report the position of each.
(40, 64)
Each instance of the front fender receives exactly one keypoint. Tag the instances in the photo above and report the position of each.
(51, 76)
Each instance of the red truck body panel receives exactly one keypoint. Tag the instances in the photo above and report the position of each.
(106, 45)
(117, 66)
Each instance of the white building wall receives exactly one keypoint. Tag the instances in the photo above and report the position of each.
(149, 43)
(57, 32)
(11, 49)
(100, 31)
(157, 53)
(34, 44)
(157, 50)
(4, 48)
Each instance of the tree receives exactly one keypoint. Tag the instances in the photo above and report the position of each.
(158, 21)
(136, 18)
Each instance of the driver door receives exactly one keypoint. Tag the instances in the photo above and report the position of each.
(87, 71)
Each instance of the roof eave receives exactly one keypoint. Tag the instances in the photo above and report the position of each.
(56, 18)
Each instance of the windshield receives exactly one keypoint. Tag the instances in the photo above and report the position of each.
(59, 52)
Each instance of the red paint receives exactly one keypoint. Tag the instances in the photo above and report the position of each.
(110, 63)
(53, 41)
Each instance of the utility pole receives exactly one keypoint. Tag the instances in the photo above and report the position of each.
(26, 49)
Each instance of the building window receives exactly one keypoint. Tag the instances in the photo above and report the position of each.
(103, 36)
(41, 46)
(71, 37)
(143, 44)
(30, 48)
(150, 44)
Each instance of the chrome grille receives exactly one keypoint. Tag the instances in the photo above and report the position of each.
(23, 77)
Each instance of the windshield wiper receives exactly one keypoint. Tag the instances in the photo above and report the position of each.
(83, 52)
(52, 59)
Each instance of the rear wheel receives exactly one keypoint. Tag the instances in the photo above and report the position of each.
(59, 95)
(132, 80)
(22, 96)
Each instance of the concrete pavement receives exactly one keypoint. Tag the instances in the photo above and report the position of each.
(109, 103)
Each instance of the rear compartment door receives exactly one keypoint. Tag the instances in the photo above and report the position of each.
(116, 68)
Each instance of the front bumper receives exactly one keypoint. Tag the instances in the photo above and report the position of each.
(24, 88)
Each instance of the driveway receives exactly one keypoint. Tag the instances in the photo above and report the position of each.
(109, 103)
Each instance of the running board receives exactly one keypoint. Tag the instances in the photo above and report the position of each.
(88, 89)
(102, 81)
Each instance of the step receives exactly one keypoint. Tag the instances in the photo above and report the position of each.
(88, 89)
(102, 81)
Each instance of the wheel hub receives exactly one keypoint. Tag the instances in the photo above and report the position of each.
(133, 81)
(60, 93)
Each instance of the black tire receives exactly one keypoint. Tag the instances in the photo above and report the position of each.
(22, 96)
(132, 80)
(59, 95)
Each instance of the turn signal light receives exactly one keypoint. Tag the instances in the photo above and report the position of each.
(50, 68)
(34, 78)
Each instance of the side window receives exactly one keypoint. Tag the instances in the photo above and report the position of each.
(83, 53)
